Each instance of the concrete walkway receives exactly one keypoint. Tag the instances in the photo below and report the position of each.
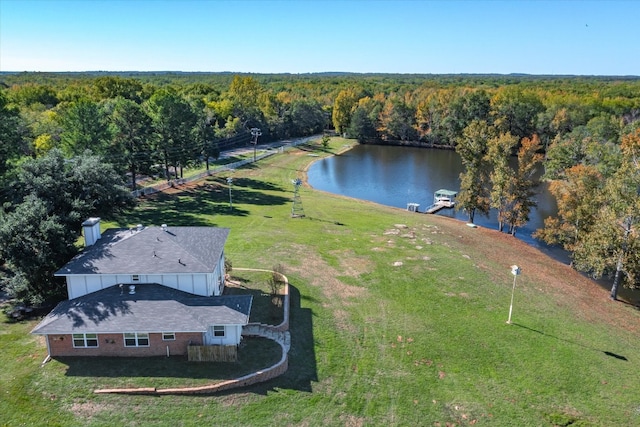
(269, 332)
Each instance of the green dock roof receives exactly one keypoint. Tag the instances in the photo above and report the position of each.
(444, 192)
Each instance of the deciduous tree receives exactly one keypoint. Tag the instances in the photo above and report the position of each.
(474, 194)
(397, 120)
(521, 199)
(578, 198)
(107, 87)
(466, 106)
(502, 176)
(34, 245)
(51, 197)
(245, 93)
(305, 117)
(11, 133)
(515, 111)
(612, 244)
(364, 121)
(343, 107)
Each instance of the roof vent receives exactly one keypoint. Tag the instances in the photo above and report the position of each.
(132, 289)
(164, 227)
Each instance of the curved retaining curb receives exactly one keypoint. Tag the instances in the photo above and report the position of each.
(284, 326)
(278, 333)
(253, 378)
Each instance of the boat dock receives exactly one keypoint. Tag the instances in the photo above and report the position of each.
(413, 207)
(436, 207)
(442, 199)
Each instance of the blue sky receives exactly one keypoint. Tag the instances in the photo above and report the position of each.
(260, 36)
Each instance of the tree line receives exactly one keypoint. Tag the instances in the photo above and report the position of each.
(582, 130)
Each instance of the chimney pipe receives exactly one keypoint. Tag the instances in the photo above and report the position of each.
(91, 229)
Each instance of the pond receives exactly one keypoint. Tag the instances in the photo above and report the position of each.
(395, 176)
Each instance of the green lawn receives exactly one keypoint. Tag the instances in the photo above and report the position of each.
(397, 319)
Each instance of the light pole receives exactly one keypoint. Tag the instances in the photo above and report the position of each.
(230, 181)
(255, 132)
(515, 270)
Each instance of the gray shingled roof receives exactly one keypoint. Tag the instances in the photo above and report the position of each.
(153, 308)
(151, 251)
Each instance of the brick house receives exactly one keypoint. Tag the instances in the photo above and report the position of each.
(147, 291)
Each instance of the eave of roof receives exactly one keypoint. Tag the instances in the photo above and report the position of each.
(153, 308)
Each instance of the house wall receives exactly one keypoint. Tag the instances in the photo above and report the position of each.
(204, 284)
(232, 336)
(113, 345)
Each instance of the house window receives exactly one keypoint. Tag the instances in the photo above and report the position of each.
(136, 339)
(218, 331)
(85, 340)
(168, 336)
(135, 278)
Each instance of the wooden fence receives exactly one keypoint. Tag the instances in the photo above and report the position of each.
(212, 353)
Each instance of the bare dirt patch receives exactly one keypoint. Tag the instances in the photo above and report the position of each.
(336, 292)
(87, 410)
(351, 264)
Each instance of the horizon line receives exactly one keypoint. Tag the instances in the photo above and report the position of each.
(512, 74)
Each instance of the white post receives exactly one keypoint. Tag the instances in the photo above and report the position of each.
(515, 270)
(255, 132)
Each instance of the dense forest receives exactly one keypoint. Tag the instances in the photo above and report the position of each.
(72, 145)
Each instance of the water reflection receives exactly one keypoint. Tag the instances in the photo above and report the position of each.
(395, 176)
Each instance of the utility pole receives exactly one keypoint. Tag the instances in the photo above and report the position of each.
(255, 133)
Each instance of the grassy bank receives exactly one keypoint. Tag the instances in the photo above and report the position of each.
(397, 319)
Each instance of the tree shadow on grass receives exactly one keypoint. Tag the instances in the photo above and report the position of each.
(313, 147)
(178, 211)
(302, 370)
(258, 198)
(607, 353)
(262, 308)
(256, 185)
(310, 218)
(197, 206)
